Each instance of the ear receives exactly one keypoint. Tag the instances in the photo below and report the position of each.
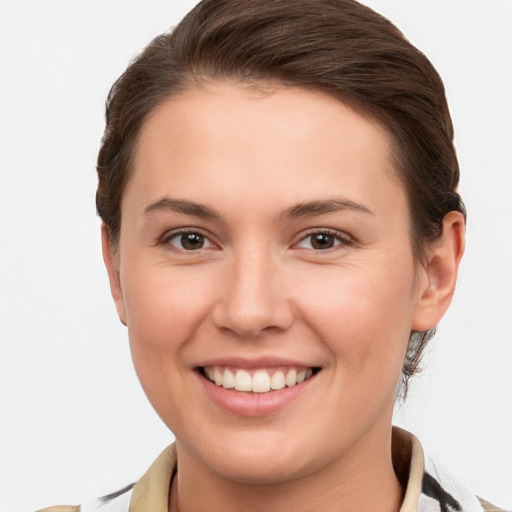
(113, 273)
(438, 277)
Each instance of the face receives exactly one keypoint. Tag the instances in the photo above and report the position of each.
(267, 279)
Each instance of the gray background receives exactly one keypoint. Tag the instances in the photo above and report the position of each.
(73, 420)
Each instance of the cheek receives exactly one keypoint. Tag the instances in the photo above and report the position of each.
(164, 310)
(363, 317)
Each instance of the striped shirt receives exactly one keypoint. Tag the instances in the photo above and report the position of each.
(429, 487)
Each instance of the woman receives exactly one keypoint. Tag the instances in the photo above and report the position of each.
(282, 232)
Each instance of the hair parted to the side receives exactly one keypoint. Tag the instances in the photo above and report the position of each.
(338, 47)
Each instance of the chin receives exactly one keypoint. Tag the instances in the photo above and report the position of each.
(263, 461)
(262, 471)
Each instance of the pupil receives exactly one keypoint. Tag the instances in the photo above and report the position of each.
(322, 241)
(192, 241)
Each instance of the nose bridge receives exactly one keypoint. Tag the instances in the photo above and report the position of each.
(252, 298)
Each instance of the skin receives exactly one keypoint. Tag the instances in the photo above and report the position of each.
(259, 288)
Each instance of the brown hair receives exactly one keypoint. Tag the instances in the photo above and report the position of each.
(339, 47)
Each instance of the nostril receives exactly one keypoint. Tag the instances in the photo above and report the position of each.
(251, 301)
(250, 322)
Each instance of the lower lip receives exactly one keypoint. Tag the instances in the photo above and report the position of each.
(253, 404)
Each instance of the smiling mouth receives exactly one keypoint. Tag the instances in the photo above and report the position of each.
(257, 380)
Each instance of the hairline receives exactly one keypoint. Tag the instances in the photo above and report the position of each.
(202, 81)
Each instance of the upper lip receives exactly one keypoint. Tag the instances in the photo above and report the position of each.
(257, 362)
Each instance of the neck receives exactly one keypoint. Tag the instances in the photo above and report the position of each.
(361, 480)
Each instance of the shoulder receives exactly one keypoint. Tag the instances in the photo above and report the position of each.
(116, 502)
(489, 507)
(429, 486)
(149, 494)
(64, 508)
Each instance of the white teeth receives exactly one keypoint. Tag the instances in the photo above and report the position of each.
(228, 380)
(217, 376)
(291, 378)
(243, 381)
(277, 381)
(259, 382)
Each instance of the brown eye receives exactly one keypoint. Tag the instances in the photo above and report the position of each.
(323, 240)
(189, 241)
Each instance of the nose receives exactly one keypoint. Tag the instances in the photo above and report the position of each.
(252, 298)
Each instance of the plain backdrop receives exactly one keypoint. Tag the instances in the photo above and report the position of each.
(74, 422)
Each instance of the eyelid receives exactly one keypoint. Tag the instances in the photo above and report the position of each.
(343, 238)
(164, 240)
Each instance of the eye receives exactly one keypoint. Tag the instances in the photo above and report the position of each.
(323, 240)
(188, 241)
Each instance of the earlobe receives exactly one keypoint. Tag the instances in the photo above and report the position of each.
(113, 273)
(440, 273)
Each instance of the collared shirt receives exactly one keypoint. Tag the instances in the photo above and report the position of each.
(429, 487)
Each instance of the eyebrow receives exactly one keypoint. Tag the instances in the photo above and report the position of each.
(313, 208)
(304, 209)
(182, 206)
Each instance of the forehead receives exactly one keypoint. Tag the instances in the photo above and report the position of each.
(224, 141)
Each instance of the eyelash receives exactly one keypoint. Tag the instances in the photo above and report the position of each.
(340, 239)
(182, 232)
